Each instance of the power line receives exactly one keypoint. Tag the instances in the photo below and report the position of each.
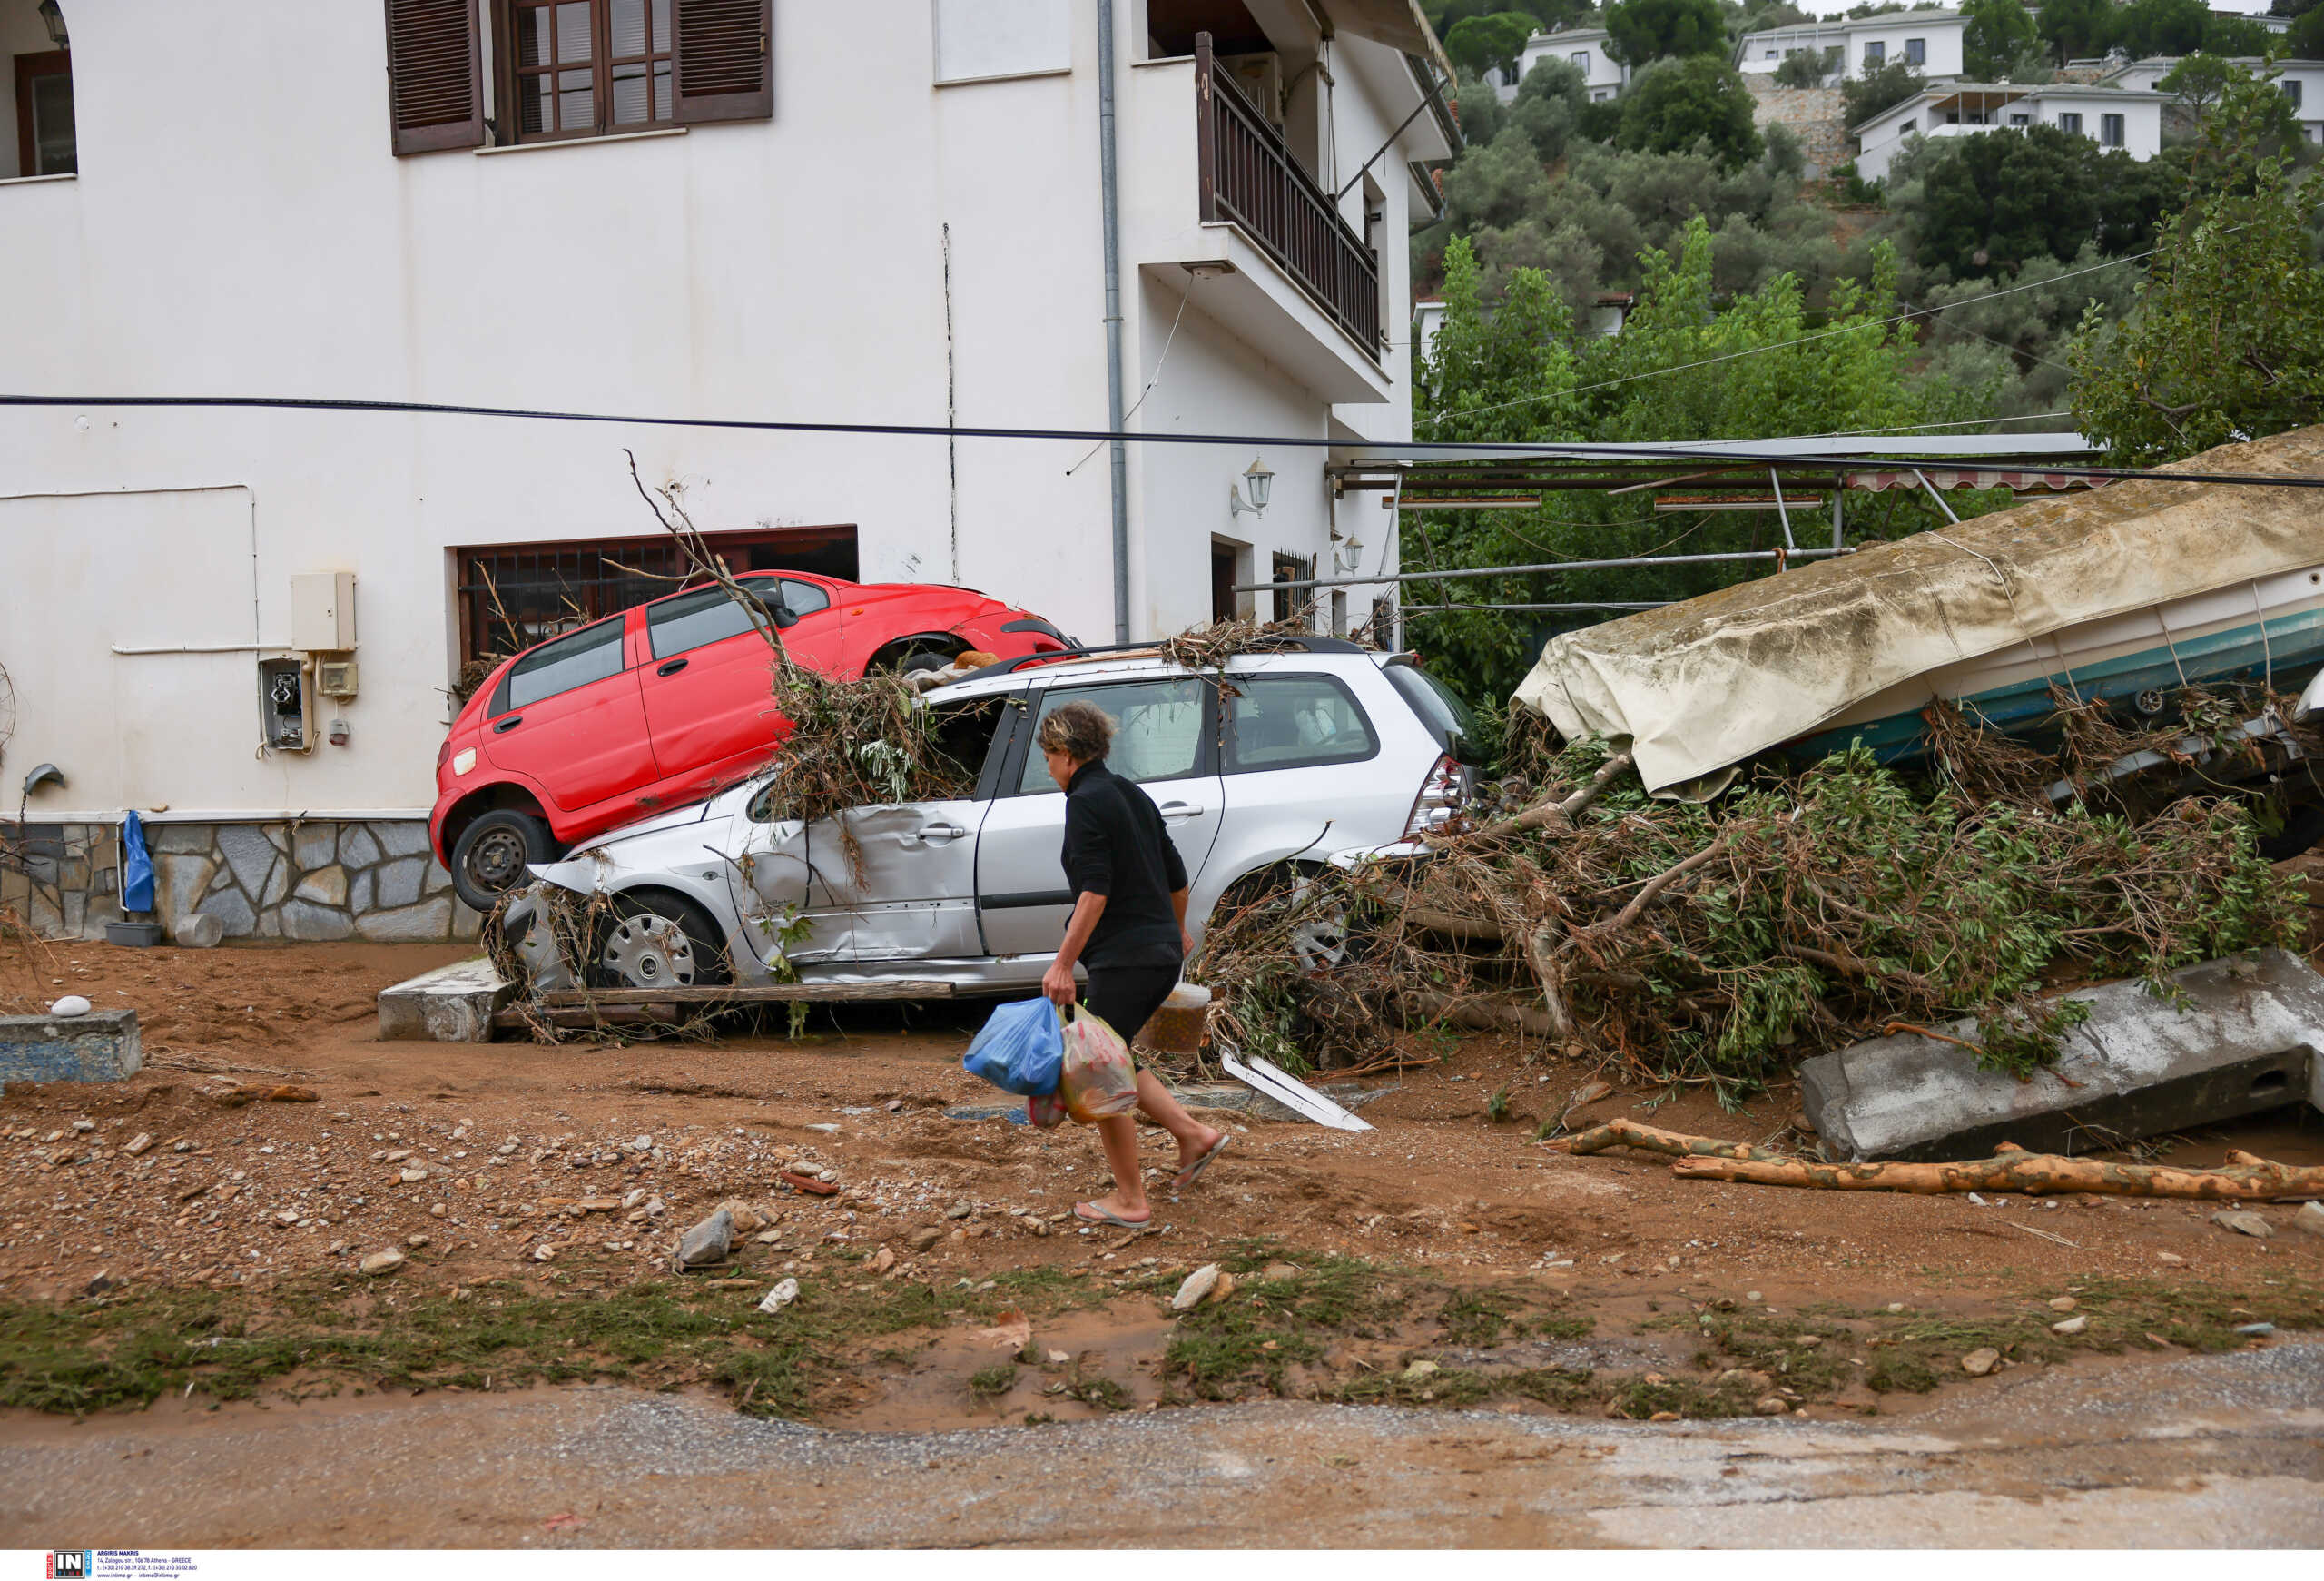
(1802, 341)
(1585, 452)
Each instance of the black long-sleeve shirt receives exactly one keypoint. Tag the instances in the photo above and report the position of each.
(1117, 845)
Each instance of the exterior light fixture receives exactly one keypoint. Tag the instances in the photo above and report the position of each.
(53, 20)
(1260, 481)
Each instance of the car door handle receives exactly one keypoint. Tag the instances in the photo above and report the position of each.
(510, 722)
(941, 832)
(1173, 810)
(672, 667)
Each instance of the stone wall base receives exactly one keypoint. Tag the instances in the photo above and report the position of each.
(312, 879)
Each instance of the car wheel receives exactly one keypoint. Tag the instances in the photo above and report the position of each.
(657, 941)
(491, 854)
(1319, 932)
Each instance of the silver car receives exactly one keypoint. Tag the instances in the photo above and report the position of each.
(1262, 774)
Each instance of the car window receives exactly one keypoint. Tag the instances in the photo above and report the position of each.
(1157, 730)
(1441, 709)
(804, 598)
(692, 620)
(590, 653)
(1293, 722)
(968, 732)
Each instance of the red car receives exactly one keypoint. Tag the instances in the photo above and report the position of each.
(666, 703)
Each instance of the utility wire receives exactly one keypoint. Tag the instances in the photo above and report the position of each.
(1596, 453)
(1183, 299)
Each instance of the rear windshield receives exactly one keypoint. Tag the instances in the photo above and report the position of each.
(1441, 709)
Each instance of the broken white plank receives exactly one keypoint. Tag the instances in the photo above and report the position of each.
(1265, 1078)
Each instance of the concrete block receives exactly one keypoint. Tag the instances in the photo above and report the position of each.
(452, 1005)
(2246, 1036)
(101, 1046)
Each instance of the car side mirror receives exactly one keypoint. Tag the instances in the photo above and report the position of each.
(784, 615)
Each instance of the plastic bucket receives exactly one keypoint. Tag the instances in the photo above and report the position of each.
(1177, 1027)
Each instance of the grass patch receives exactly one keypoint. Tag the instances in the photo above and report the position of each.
(325, 1332)
(990, 1382)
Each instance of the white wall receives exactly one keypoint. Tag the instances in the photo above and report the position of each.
(241, 226)
(1941, 33)
(1604, 78)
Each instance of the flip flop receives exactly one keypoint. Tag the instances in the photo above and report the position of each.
(1193, 1171)
(1097, 1215)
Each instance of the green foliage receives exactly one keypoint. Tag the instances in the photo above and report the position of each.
(1549, 107)
(2199, 79)
(1444, 15)
(1997, 201)
(1865, 96)
(1695, 103)
(2227, 336)
(1639, 31)
(1998, 32)
(1522, 372)
(1481, 44)
(2077, 29)
(1802, 69)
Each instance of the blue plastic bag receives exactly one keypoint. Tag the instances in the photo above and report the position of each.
(1020, 1050)
(136, 866)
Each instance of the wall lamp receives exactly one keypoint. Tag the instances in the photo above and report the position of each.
(53, 20)
(1261, 483)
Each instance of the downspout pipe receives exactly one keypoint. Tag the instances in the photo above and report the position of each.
(1109, 204)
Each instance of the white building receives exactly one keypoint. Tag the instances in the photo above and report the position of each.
(2121, 118)
(1928, 41)
(2300, 81)
(1603, 76)
(719, 213)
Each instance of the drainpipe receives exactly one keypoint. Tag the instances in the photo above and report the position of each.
(1109, 203)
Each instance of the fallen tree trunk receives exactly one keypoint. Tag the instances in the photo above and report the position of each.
(1560, 813)
(1485, 1014)
(1625, 1133)
(2014, 1170)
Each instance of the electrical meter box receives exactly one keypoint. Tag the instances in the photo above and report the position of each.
(286, 704)
(322, 611)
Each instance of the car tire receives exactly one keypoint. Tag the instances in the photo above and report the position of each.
(491, 854)
(656, 941)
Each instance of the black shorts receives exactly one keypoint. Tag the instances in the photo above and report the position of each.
(1128, 996)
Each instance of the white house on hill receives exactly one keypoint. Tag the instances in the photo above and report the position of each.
(1603, 76)
(1929, 41)
(2121, 118)
(2300, 81)
(674, 209)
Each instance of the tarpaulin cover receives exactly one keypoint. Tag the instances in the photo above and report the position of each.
(136, 866)
(1699, 687)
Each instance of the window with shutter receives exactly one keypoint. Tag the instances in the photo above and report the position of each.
(435, 75)
(725, 51)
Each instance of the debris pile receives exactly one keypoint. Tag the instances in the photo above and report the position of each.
(1721, 944)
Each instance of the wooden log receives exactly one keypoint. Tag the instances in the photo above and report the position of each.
(766, 993)
(1485, 1014)
(1560, 813)
(1626, 1132)
(2036, 1174)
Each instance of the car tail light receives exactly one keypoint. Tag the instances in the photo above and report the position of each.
(442, 752)
(1442, 796)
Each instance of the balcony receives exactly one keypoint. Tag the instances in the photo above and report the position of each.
(1249, 178)
(1214, 204)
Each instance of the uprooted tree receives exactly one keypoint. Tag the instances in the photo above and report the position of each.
(1722, 944)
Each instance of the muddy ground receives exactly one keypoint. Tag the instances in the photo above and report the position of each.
(1442, 1261)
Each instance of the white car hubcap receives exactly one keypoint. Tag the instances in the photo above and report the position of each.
(649, 952)
(1319, 931)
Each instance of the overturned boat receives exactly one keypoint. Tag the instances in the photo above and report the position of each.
(2124, 595)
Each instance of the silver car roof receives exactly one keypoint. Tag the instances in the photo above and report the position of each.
(1131, 667)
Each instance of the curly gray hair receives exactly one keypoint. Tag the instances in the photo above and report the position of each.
(1082, 731)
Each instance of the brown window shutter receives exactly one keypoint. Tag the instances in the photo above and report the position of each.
(435, 75)
(725, 51)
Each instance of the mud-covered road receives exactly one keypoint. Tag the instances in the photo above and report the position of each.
(2223, 1451)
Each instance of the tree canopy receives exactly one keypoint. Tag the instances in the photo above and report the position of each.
(1865, 97)
(1672, 104)
(1994, 202)
(1639, 31)
(1998, 35)
(2225, 339)
(1478, 44)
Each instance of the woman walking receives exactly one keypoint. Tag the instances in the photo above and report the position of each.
(1128, 929)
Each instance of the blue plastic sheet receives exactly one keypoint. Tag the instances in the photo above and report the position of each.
(136, 866)
(1020, 1049)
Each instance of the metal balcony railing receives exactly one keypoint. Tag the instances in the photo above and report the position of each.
(1249, 176)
